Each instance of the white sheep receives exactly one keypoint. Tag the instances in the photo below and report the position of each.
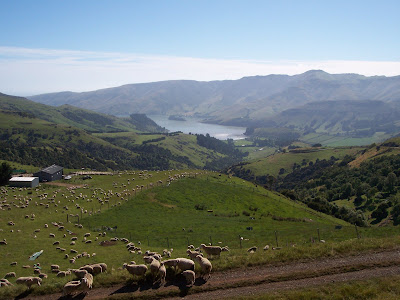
(10, 274)
(71, 287)
(154, 265)
(5, 282)
(79, 273)
(133, 269)
(193, 254)
(211, 250)
(190, 277)
(205, 265)
(162, 272)
(252, 249)
(29, 281)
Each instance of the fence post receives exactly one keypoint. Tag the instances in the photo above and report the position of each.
(210, 240)
(358, 236)
(276, 239)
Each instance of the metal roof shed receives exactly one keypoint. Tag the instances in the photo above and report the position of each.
(24, 182)
(51, 173)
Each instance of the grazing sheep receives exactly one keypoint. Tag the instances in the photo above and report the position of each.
(87, 268)
(211, 250)
(79, 273)
(63, 273)
(42, 275)
(162, 272)
(10, 274)
(252, 249)
(190, 277)
(14, 263)
(71, 287)
(205, 265)
(266, 248)
(52, 235)
(225, 249)
(5, 282)
(154, 265)
(29, 281)
(138, 270)
(97, 269)
(103, 267)
(193, 254)
(54, 267)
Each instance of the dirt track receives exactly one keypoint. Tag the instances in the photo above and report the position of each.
(262, 279)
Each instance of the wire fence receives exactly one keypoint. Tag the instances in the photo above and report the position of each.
(249, 238)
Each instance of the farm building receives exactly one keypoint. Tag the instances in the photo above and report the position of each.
(51, 173)
(24, 182)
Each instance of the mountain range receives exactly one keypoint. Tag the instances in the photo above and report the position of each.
(231, 102)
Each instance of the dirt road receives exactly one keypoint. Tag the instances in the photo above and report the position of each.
(262, 279)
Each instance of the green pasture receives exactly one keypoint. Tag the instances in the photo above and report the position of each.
(158, 210)
(272, 164)
(342, 141)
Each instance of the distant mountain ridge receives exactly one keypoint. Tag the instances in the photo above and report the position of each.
(231, 102)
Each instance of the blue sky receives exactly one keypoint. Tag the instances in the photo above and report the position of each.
(48, 46)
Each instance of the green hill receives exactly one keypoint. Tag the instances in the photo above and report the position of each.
(99, 141)
(78, 117)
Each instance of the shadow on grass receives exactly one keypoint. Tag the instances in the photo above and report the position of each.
(79, 296)
(178, 281)
(24, 294)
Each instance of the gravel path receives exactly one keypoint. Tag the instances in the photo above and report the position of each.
(261, 279)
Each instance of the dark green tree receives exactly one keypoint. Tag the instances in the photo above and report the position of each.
(5, 173)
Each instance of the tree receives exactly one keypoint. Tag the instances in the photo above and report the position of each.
(5, 173)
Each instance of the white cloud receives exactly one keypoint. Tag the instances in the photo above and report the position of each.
(33, 71)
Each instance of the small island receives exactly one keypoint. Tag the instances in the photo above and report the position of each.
(176, 118)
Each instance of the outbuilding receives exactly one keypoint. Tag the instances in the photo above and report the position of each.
(51, 173)
(30, 182)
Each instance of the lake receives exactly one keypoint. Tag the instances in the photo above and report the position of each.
(194, 125)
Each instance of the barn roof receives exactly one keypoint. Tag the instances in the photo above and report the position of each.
(24, 179)
(52, 169)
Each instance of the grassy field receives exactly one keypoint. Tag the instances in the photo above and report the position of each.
(272, 164)
(342, 141)
(163, 210)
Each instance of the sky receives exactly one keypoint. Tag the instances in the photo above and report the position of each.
(53, 46)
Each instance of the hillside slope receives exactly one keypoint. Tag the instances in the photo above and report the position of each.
(234, 102)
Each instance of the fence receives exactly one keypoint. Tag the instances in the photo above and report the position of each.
(249, 238)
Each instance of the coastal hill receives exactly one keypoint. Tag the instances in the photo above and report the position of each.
(231, 102)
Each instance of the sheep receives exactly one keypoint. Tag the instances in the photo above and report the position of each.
(54, 267)
(5, 282)
(52, 235)
(63, 273)
(162, 272)
(103, 267)
(42, 275)
(252, 249)
(79, 273)
(87, 268)
(154, 265)
(193, 254)
(266, 248)
(190, 277)
(29, 281)
(71, 287)
(97, 269)
(133, 269)
(211, 250)
(205, 265)
(10, 274)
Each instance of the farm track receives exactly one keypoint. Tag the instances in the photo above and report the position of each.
(263, 279)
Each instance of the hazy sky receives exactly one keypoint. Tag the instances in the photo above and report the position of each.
(49, 46)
